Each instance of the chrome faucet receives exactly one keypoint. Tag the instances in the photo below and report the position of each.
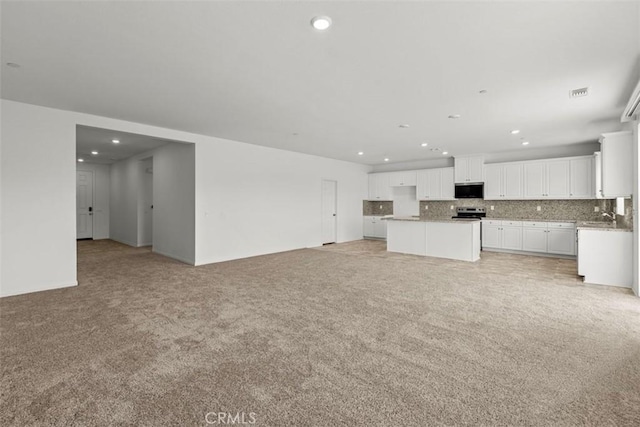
(611, 215)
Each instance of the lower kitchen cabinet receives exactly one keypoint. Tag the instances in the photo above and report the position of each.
(375, 226)
(502, 234)
(606, 257)
(528, 236)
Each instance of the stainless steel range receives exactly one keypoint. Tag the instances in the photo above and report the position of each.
(470, 213)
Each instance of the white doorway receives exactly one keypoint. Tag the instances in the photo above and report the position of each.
(329, 211)
(84, 205)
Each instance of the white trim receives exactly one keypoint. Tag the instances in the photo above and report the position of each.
(40, 290)
(178, 258)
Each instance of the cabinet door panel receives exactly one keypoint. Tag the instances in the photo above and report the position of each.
(561, 241)
(434, 179)
(368, 227)
(534, 180)
(461, 169)
(476, 169)
(493, 182)
(534, 239)
(512, 238)
(512, 181)
(447, 184)
(422, 185)
(558, 179)
(490, 236)
(582, 180)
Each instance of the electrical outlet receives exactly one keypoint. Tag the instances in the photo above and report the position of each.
(538, 208)
(380, 207)
(492, 207)
(596, 208)
(452, 207)
(426, 207)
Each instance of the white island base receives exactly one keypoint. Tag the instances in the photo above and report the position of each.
(442, 239)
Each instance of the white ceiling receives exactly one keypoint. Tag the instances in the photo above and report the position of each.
(258, 72)
(90, 139)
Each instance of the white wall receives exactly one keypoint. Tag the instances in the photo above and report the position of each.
(38, 199)
(145, 200)
(253, 200)
(101, 184)
(124, 201)
(249, 199)
(174, 232)
(173, 186)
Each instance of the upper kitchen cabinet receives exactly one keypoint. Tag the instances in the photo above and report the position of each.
(469, 169)
(503, 181)
(582, 178)
(435, 184)
(617, 164)
(547, 179)
(379, 186)
(402, 179)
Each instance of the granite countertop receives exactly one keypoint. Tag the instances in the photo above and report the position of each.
(417, 218)
(530, 220)
(604, 226)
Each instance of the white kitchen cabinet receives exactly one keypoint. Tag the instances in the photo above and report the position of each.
(491, 234)
(379, 186)
(374, 226)
(512, 235)
(561, 241)
(597, 160)
(553, 238)
(469, 169)
(534, 237)
(605, 257)
(617, 164)
(582, 179)
(435, 184)
(402, 179)
(503, 181)
(498, 234)
(547, 179)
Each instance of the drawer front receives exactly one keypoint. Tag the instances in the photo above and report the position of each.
(564, 225)
(491, 222)
(512, 223)
(533, 224)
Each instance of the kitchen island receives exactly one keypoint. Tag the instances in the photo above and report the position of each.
(441, 238)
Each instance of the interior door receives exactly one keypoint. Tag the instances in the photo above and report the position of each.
(329, 218)
(84, 205)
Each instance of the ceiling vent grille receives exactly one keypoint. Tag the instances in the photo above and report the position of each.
(577, 93)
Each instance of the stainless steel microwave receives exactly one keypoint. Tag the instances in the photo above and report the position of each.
(472, 190)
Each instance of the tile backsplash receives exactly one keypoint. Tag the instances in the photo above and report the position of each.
(578, 210)
(377, 208)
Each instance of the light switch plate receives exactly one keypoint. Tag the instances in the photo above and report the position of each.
(538, 208)
(451, 207)
(492, 207)
(426, 207)
(596, 208)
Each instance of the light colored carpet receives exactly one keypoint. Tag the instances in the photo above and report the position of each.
(343, 335)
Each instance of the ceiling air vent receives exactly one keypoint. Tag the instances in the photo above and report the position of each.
(633, 106)
(577, 93)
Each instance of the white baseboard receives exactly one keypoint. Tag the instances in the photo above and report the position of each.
(124, 242)
(178, 258)
(39, 290)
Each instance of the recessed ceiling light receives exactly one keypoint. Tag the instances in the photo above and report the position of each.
(482, 91)
(13, 65)
(81, 160)
(115, 141)
(95, 153)
(424, 144)
(321, 22)
(403, 126)
(454, 116)
(444, 153)
(515, 132)
(525, 142)
(386, 159)
(360, 153)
